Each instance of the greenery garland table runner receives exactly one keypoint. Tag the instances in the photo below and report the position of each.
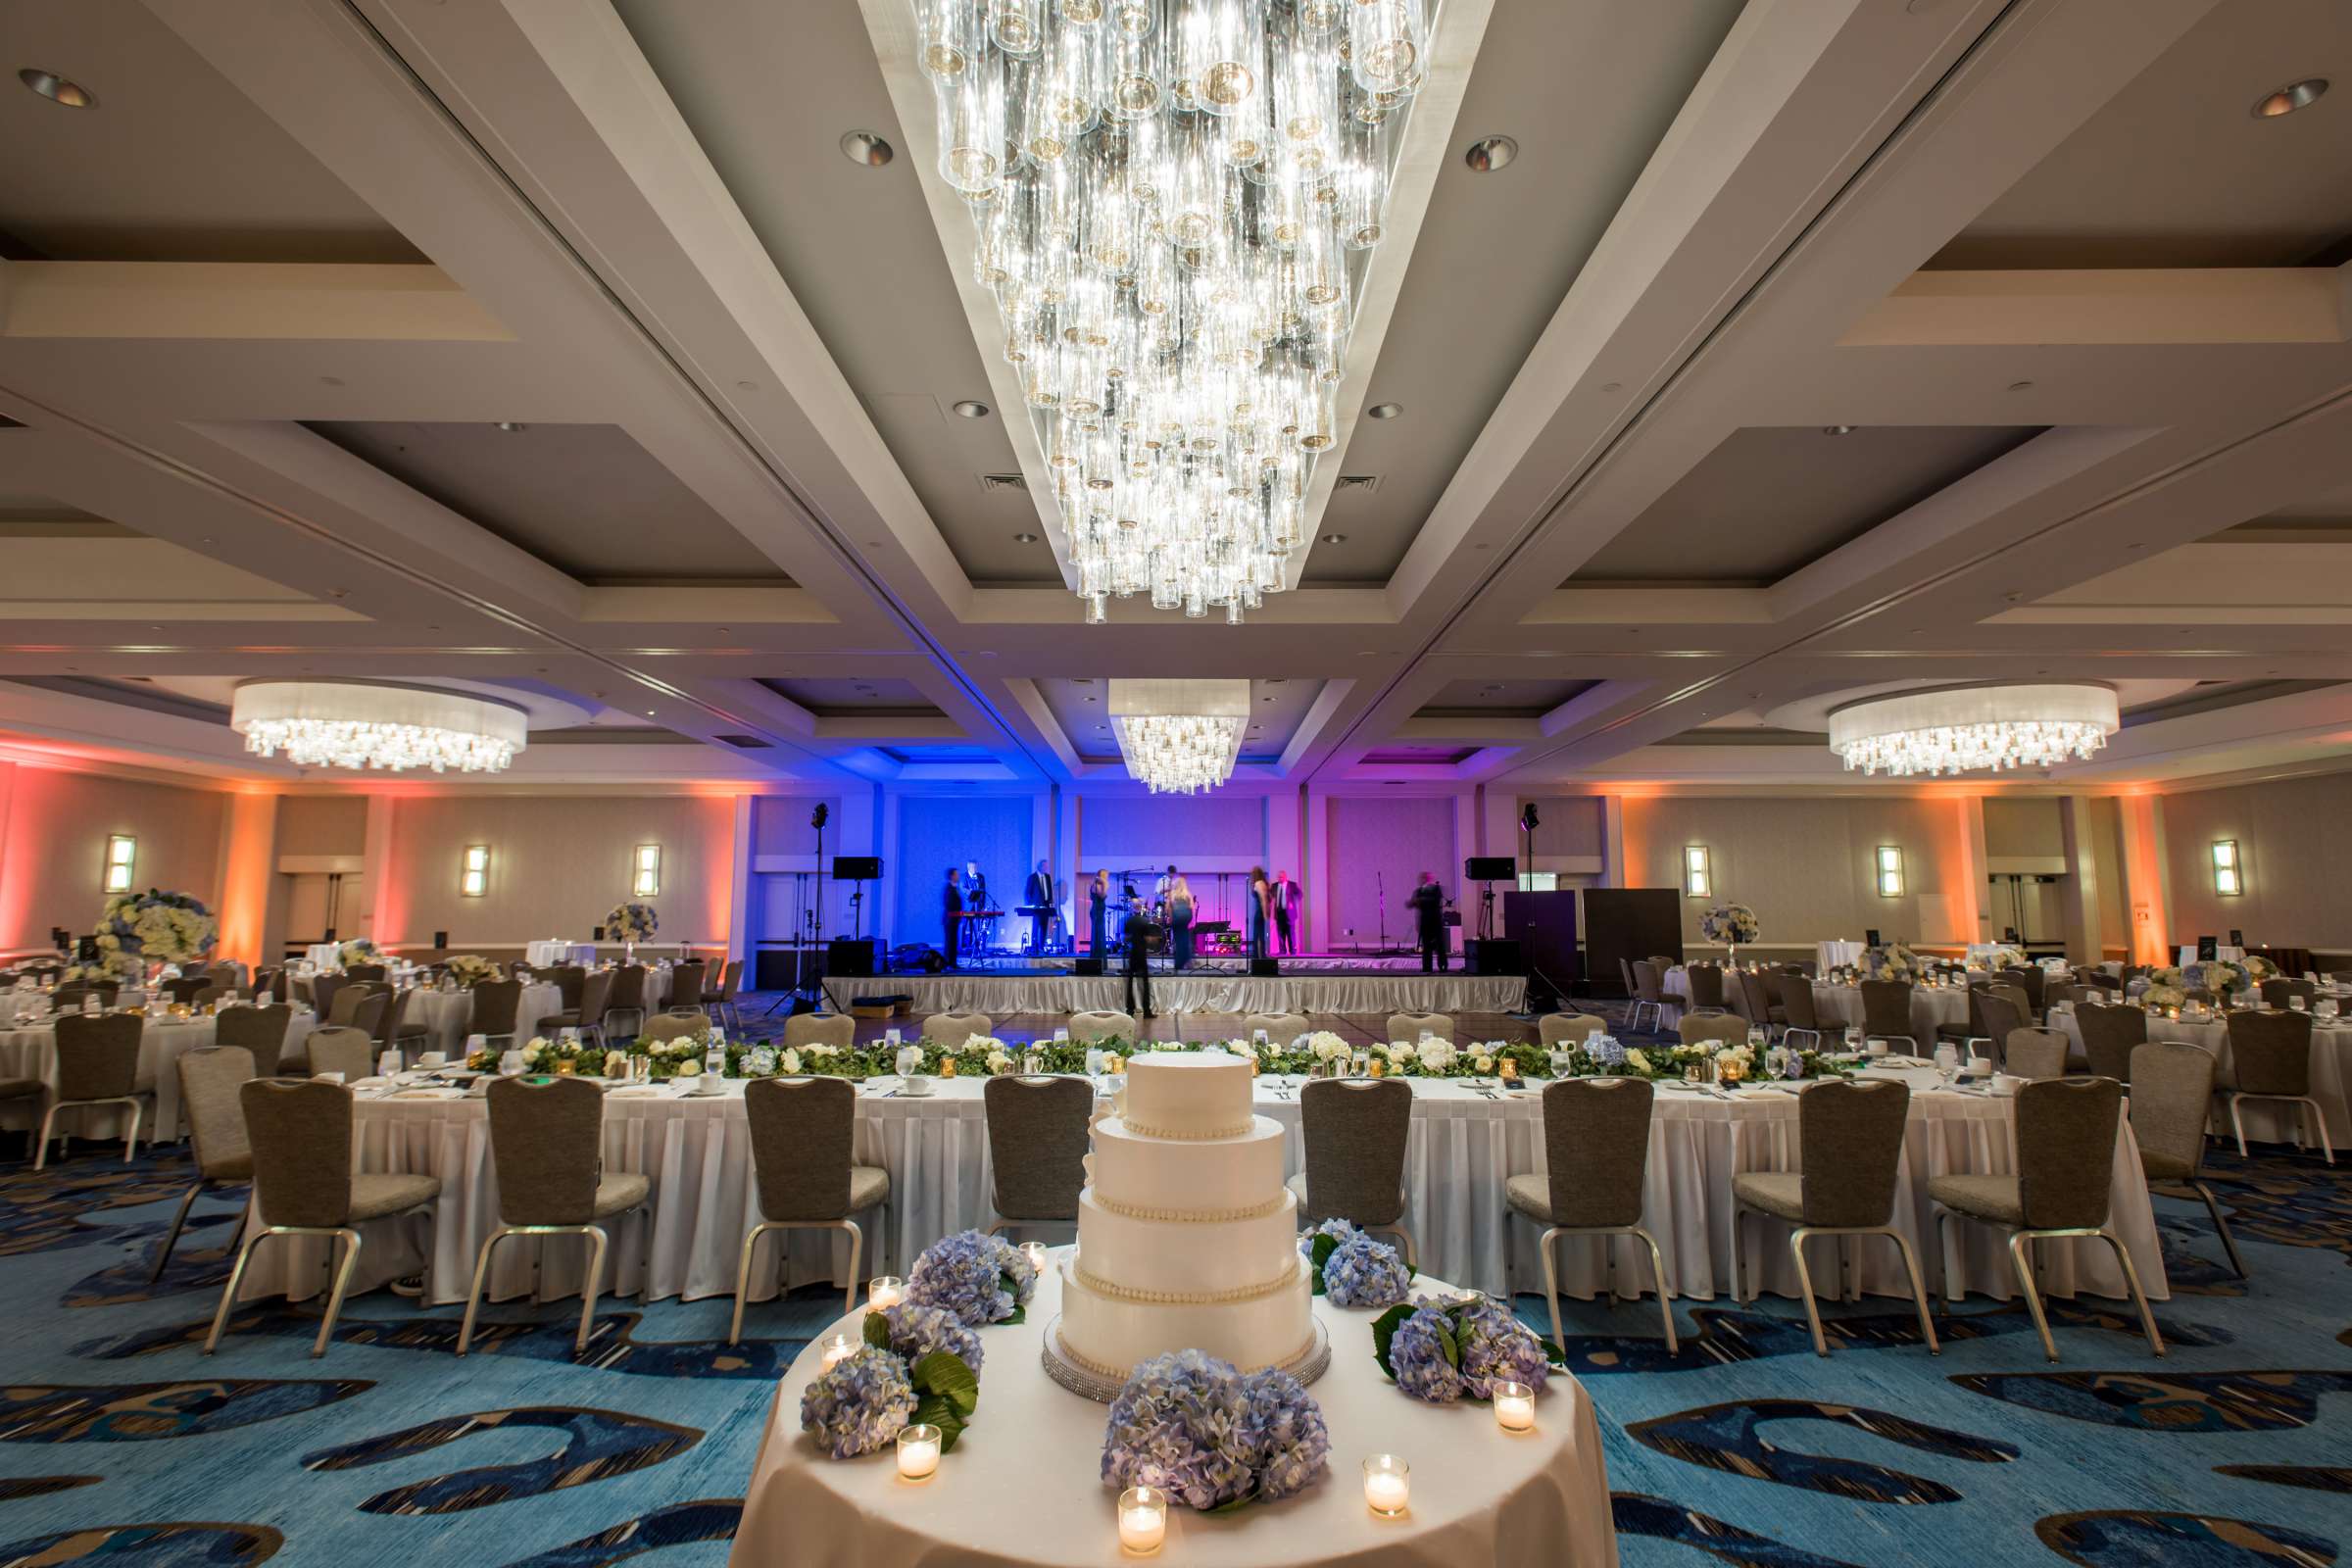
(1023, 1486)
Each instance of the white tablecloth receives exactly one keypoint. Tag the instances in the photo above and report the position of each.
(1829, 954)
(32, 1054)
(2222, 950)
(1931, 1008)
(1461, 1151)
(1005, 994)
(548, 955)
(447, 1014)
(2267, 1121)
(1024, 1485)
(325, 955)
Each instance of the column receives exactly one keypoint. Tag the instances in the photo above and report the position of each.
(1976, 922)
(739, 883)
(1614, 873)
(248, 863)
(2146, 890)
(379, 903)
(2079, 894)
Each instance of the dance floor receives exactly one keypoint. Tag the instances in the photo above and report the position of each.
(1743, 1448)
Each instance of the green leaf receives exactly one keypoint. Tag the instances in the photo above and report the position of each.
(1322, 1248)
(931, 1409)
(1236, 1504)
(1452, 1347)
(877, 1331)
(1020, 1314)
(1384, 1329)
(944, 1373)
(1554, 1353)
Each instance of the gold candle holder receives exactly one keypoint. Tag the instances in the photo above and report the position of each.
(947, 1066)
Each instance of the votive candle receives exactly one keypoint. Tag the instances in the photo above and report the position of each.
(918, 1453)
(1388, 1485)
(839, 1348)
(1142, 1520)
(1514, 1407)
(1035, 1252)
(885, 1290)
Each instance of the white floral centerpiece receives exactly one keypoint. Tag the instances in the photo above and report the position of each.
(359, 950)
(469, 969)
(1328, 1046)
(1730, 925)
(153, 927)
(631, 922)
(2004, 956)
(1892, 961)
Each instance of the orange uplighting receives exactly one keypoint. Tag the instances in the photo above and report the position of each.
(246, 866)
(2149, 938)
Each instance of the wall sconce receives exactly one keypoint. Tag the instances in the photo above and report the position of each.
(473, 874)
(2227, 878)
(647, 880)
(121, 855)
(1698, 880)
(1890, 871)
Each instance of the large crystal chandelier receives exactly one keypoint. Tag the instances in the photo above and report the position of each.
(363, 724)
(1166, 193)
(1973, 728)
(1180, 737)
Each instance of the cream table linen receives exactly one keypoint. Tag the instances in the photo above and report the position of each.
(1023, 1488)
(2267, 1121)
(31, 1052)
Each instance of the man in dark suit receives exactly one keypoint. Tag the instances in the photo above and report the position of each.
(1286, 913)
(1429, 912)
(1039, 894)
(951, 914)
(1140, 932)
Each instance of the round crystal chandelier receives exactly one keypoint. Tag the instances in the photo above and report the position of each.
(1964, 729)
(365, 724)
(1166, 194)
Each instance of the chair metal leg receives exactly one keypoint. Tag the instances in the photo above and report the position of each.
(131, 1145)
(2024, 1264)
(596, 1270)
(1944, 1256)
(2319, 1123)
(473, 1296)
(350, 1242)
(228, 1291)
(40, 1158)
(2148, 1318)
(743, 1280)
(1804, 1284)
(848, 1291)
(1919, 1288)
(180, 1219)
(1657, 1265)
(2237, 1123)
(1738, 1252)
(1552, 1284)
(2221, 1225)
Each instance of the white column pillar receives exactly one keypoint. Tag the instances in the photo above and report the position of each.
(376, 871)
(739, 884)
(1613, 873)
(1315, 874)
(2079, 894)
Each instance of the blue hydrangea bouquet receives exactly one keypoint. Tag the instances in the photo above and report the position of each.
(1213, 1438)
(1351, 1269)
(918, 1365)
(1441, 1352)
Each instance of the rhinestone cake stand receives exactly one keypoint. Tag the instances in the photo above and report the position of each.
(1306, 1367)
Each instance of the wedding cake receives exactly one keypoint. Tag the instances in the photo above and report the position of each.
(1187, 1236)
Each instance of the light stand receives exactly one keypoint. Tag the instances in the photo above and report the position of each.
(806, 985)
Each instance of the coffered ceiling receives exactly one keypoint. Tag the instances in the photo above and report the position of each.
(268, 307)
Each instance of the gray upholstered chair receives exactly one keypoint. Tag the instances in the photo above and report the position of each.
(1849, 1142)
(2172, 1096)
(1649, 983)
(1726, 1027)
(1281, 1028)
(361, 1005)
(69, 997)
(97, 1064)
(2065, 1171)
(1994, 1014)
(1596, 1162)
(952, 1029)
(2279, 990)
(836, 1029)
(1706, 981)
(2035, 1053)
(495, 1002)
(1037, 1142)
(260, 1032)
(730, 983)
(547, 1144)
(271, 985)
(366, 971)
(2270, 1060)
(211, 1077)
(1754, 1002)
(1797, 1007)
(803, 1170)
(184, 987)
(2110, 1036)
(571, 981)
(2031, 979)
(588, 1014)
(664, 1026)
(303, 1185)
(341, 1048)
(1355, 1131)
(1088, 1027)
(1409, 1027)
(685, 986)
(1887, 1013)
(626, 998)
(1555, 1029)
(405, 1028)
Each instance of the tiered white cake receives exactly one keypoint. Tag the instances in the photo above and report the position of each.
(1187, 1236)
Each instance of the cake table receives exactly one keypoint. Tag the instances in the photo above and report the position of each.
(1024, 1486)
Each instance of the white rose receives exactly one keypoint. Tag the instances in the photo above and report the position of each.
(688, 1068)
(1439, 1057)
(1636, 1060)
(1398, 1050)
(790, 1062)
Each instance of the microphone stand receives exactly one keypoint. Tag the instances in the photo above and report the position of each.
(1380, 881)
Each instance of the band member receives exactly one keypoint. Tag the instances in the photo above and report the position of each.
(950, 913)
(1179, 922)
(1261, 908)
(1097, 901)
(1039, 894)
(1285, 912)
(1161, 888)
(1429, 907)
(1137, 930)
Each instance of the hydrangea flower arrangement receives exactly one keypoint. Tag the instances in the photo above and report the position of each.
(2005, 957)
(1351, 1269)
(2225, 978)
(153, 927)
(359, 950)
(918, 1365)
(976, 1278)
(632, 921)
(1891, 962)
(1212, 1438)
(469, 969)
(1440, 1351)
(858, 1403)
(1730, 925)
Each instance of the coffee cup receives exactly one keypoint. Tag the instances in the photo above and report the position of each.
(916, 1085)
(432, 1059)
(2008, 1083)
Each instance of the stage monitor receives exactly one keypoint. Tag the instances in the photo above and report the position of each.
(857, 868)
(1490, 869)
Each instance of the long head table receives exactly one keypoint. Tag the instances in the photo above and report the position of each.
(1464, 1145)
(31, 1052)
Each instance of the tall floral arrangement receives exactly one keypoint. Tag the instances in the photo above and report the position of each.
(1892, 961)
(632, 921)
(359, 950)
(2004, 956)
(471, 969)
(1730, 925)
(153, 927)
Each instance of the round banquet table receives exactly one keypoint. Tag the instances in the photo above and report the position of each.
(2267, 1121)
(31, 1052)
(1838, 1006)
(1024, 1485)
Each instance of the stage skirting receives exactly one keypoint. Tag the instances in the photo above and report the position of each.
(1001, 996)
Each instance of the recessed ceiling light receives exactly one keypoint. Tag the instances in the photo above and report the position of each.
(1837, 429)
(1335, 538)
(2270, 106)
(1024, 538)
(74, 95)
(864, 147)
(511, 426)
(1491, 153)
(1383, 411)
(971, 408)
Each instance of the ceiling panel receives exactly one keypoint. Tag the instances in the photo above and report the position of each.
(1514, 699)
(1277, 708)
(586, 499)
(173, 164)
(1770, 499)
(850, 693)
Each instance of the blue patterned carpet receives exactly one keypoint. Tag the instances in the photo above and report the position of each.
(119, 1441)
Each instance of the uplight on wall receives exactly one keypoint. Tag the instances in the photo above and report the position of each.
(1890, 871)
(1698, 880)
(473, 874)
(122, 860)
(647, 880)
(2227, 880)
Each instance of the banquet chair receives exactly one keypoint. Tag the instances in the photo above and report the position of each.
(547, 1148)
(367, 971)
(2270, 1060)
(588, 1016)
(569, 979)
(1887, 1013)
(836, 1029)
(271, 985)
(1411, 1026)
(1625, 970)
(2276, 992)
(2031, 979)
(730, 981)
(686, 986)
(1281, 1028)
(1725, 1027)
(403, 1030)
(343, 1049)
(2109, 1035)
(1649, 982)
(1706, 981)
(67, 997)
(494, 1006)
(32, 1089)
(260, 1032)
(1596, 1162)
(667, 1026)
(183, 988)
(211, 1077)
(1568, 1028)
(1355, 1131)
(350, 997)
(627, 998)
(803, 1171)
(1088, 1027)
(1994, 1011)
(2172, 1096)
(952, 1029)
(2065, 1174)
(2035, 1053)
(1038, 1137)
(303, 1185)
(1797, 1014)
(1756, 1004)
(97, 1064)
(1849, 1148)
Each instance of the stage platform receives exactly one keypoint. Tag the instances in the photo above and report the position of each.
(1360, 990)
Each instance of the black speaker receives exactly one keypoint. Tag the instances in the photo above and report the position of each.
(844, 956)
(1091, 966)
(1494, 955)
(441, 940)
(1870, 938)
(331, 935)
(1490, 869)
(1267, 968)
(857, 868)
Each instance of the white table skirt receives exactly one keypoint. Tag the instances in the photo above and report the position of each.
(1831, 955)
(2267, 1121)
(1461, 1151)
(32, 1054)
(548, 955)
(1023, 1488)
(1004, 996)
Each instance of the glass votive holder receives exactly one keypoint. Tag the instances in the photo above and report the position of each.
(839, 1348)
(1388, 1485)
(918, 1453)
(1514, 1407)
(884, 1290)
(1142, 1520)
(1035, 1252)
